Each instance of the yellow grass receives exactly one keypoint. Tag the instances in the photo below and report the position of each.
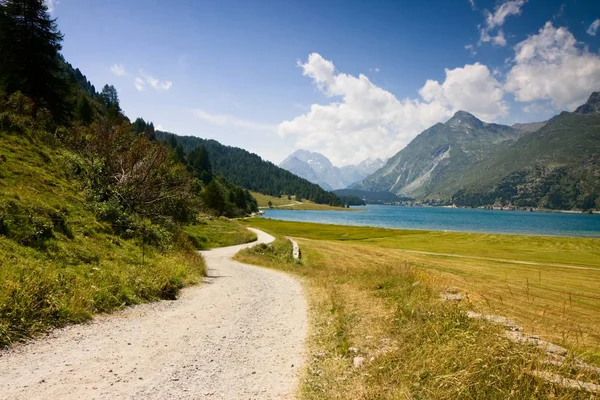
(558, 297)
(371, 302)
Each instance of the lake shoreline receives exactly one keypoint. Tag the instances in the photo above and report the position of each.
(508, 222)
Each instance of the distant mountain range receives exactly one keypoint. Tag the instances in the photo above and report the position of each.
(553, 164)
(317, 168)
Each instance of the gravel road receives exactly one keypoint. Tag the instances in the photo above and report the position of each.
(240, 335)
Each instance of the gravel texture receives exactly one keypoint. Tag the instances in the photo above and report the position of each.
(240, 335)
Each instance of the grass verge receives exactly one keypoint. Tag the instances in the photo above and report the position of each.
(374, 303)
(219, 232)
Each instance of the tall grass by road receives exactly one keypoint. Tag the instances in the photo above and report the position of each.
(383, 305)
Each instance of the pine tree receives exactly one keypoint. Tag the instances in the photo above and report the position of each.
(199, 164)
(84, 111)
(30, 62)
(213, 197)
(110, 99)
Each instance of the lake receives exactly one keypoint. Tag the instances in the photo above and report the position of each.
(453, 219)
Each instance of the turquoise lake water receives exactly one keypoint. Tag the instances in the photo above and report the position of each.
(453, 219)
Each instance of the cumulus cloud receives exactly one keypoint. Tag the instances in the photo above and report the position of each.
(364, 120)
(472, 3)
(232, 121)
(495, 20)
(593, 28)
(118, 69)
(144, 79)
(471, 88)
(551, 65)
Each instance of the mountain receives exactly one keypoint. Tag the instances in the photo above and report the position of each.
(317, 168)
(248, 170)
(556, 167)
(432, 165)
(529, 126)
(592, 106)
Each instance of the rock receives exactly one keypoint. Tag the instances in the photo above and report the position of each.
(358, 362)
(451, 296)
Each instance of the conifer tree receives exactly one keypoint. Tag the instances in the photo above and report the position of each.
(84, 111)
(30, 62)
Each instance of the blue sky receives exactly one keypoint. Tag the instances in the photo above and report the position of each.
(351, 79)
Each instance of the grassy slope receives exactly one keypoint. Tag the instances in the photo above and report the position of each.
(221, 232)
(58, 264)
(366, 301)
(561, 304)
(284, 203)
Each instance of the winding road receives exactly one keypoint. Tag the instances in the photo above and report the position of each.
(240, 335)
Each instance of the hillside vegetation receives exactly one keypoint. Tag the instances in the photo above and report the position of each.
(60, 263)
(556, 167)
(95, 214)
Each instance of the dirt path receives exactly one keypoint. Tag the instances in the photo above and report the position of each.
(238, 336)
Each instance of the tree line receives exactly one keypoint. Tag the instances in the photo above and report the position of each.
(251, 171)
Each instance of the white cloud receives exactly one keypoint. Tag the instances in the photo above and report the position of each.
(471, 49)
(472, 3)
(364, 120)
(496, 19)
(498, 40)
(550, 65)
(537, 108)
(139, 84)
(593, 28)
(156, 84)
(118, 69)
(471, 88)
(232, 121)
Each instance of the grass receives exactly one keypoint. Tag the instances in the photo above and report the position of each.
(58, 263)
(368, 299)
(283, 203)
(220, 232)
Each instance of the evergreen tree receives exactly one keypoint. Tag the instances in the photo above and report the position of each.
(199, 163)
(84, 111)
(30, 62)
(213, 197)
(110, 99)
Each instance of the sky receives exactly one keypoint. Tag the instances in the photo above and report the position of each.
(349, 79)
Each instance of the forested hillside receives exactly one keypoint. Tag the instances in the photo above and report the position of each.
(250, 171)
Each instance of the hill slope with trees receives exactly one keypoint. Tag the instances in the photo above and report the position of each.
(251, 171)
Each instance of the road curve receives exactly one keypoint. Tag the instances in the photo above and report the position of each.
(238, 336)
